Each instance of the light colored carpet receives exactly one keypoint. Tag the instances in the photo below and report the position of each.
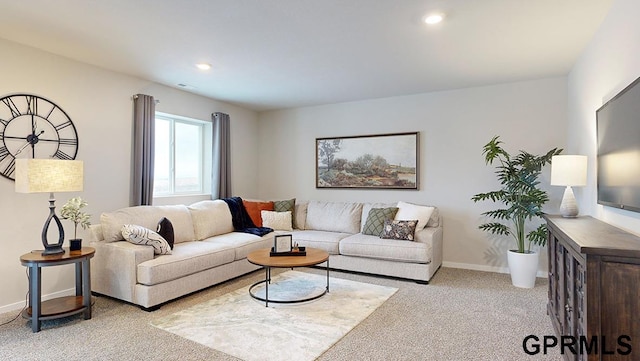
(459, 315)
(241, 326)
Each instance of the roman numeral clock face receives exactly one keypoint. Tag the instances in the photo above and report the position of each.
(33, 127)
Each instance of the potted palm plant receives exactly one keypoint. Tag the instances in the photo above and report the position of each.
(522, 201)
(72, 210)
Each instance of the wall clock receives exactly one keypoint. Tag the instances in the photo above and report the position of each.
(33, 127)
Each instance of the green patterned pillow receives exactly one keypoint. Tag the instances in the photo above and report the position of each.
(375, 220)
(288, 205)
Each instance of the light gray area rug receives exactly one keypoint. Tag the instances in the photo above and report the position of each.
(241, 326)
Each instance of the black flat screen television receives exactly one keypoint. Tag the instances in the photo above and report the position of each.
(618, 128)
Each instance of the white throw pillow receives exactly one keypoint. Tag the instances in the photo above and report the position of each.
(280, 221)
(408, 211)
(146, 237)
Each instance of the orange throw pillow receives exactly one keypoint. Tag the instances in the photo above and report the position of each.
(255, 210)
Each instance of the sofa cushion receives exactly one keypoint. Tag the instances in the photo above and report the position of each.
(148, 217)
(334, 216)
(187, 258)
(408, 211)
(145, 237)
(210, 218)
(328, 241)
(279, 221)
(434, 221)
(242, 243)
(374, 225)
(361, 245)
(300, 215)
(254, 209)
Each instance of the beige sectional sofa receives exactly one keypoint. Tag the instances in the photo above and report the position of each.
(207, 251)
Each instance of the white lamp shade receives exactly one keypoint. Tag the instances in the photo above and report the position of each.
(569, 170)
(48, 175)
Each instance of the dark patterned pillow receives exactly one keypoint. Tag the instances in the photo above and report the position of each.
(285, 206)
(165, 229)
(403, 230)
(375, 220)
(146, 237)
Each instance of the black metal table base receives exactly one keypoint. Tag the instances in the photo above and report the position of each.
(267, 281)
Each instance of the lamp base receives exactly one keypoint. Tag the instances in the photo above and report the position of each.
(52, 250)
(569, 207)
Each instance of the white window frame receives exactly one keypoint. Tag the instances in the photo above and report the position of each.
(205, 155)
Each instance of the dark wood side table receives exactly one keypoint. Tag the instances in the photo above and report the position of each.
(62, 306)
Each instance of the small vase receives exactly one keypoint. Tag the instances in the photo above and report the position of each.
(75, 244)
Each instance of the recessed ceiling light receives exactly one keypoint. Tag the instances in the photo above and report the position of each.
(433, 19)
(203, 66)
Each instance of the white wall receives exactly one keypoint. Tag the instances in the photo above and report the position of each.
(453, 126)
(100, 104)
(609, 63)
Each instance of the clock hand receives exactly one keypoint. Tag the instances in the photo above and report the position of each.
(32, 139)
(22, 148)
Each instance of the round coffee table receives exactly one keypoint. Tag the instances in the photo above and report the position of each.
(263, 258)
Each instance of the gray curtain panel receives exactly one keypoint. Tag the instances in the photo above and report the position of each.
(221, 167)
(144, 113)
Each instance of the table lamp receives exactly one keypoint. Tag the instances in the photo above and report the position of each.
(569, 170)
(49, 175)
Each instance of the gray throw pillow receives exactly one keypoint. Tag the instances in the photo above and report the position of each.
(375, 220)
(288, 205)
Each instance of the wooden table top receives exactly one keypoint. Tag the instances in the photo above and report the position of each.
(314, 256)
(70, 256)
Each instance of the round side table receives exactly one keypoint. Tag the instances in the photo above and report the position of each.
(61, 306)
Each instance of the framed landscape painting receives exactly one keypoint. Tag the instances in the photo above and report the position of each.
(384, 161)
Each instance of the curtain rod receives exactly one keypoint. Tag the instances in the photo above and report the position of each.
(135, 96)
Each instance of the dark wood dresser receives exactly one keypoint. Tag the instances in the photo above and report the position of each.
(594, 288)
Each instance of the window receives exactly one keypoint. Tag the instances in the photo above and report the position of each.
(182, 156)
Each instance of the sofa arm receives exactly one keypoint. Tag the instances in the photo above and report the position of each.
(428, 235)
(432, 236)
(114, 268)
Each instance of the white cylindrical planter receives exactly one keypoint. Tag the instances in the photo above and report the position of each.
(523, 268)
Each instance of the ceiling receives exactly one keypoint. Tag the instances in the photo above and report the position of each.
(291, 53)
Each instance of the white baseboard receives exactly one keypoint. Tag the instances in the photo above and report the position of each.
(485, 268)
(20, 305)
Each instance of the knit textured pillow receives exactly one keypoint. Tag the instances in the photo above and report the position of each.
(279, 221)
(146, 237)
(375, 220)
(402, 230)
